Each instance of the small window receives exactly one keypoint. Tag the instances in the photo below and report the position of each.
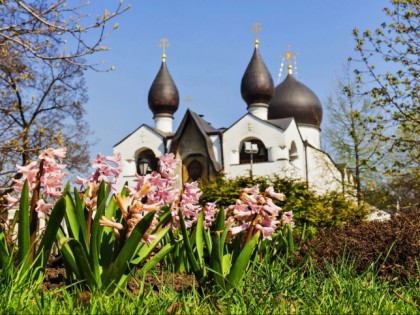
(293, 153)
(259, 157)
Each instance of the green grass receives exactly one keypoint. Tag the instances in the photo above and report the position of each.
(270, 288)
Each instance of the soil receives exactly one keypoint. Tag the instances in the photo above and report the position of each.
(55, 277)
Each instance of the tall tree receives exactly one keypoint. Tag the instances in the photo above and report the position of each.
(348, 132)
(394, 85)
(42, 87)
(32, 26)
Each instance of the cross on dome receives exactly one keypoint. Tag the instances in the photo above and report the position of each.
(289, 56)
(188, 101)
(257, 28)
(164, 44)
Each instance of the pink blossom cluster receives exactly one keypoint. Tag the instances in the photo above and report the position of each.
(163, 191)
(133, 212)
(107, 169)
(188, 204)
(162, 182)
(151, 192)
(51, 179)
(209, 214)
(155, 191)
(255, 209)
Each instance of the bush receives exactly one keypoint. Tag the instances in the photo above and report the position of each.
(328, 210)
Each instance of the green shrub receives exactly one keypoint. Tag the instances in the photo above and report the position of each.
(332, 209)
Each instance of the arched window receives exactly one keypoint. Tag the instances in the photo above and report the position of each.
(293, 153)
(259, 157)
(146, 162)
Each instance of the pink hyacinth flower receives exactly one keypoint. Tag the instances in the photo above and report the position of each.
(43, 208)
(168, 163)
(287, 217)
(253, 191)
(272, 193)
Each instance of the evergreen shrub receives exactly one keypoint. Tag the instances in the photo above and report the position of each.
(319, 211)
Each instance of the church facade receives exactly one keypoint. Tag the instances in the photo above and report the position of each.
(279, 135)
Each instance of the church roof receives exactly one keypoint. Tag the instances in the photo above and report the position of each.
(282, 123)
(159, 132)
(163, 94)
(257, 85)
(294, 99)
(204, 129)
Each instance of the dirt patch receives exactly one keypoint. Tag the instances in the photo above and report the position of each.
(55, 277)
(163, 280)
(393, 244)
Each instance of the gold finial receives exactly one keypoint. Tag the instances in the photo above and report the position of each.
(289, 55)
(164, 44)
(256, 30)
(188, 100)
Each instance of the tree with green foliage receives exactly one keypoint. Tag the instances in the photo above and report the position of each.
(394, 84)
(348, 132)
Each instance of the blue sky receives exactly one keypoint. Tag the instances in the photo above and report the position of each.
(210, 48)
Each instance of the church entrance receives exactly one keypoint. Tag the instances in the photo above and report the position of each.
(194, 167)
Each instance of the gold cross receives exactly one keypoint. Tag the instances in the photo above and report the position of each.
(164, 44)
(188, 100)
(289, 55)
(257, 28)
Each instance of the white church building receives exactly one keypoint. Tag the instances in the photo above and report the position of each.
(279, 135)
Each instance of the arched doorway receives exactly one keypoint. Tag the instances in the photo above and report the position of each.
(195, 167)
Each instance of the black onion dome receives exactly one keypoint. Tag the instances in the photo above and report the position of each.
(163, 94)
(257, 85)
(294, 99)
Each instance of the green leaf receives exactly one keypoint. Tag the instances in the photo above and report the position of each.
(291, 243)
(96, 232)
(82, 262)
(226, 262)
(72, 220)
(219, 224)
(65, 250)
(158, 257)
(6, 259)
(80, 214)
(107, 242)
(23, 227)
(53, 224)
(216, 260)
(198, 272)
(199, 241)
(127, 252)
(239, 268)
(207, 240)
(144, 250)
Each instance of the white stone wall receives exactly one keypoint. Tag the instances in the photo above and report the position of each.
(142, 139)
(217, 148)
(276, 141)
(323, 175)
(311, 134)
